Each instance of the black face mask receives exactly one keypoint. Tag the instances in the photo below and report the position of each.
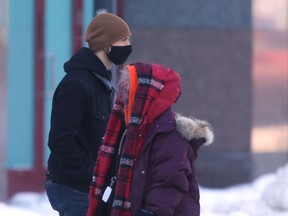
(119, 54)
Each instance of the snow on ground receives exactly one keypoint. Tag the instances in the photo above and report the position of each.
(266, 196)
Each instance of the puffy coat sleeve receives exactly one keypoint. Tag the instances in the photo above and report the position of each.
(169, 166)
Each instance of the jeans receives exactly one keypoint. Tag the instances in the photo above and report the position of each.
(67, 201)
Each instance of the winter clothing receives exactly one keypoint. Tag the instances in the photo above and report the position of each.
(155, 173)
(133, 86)
(164, 177)
(104, 30)
(150, 84)
(81, 107)
(119, 54)
(67, 201)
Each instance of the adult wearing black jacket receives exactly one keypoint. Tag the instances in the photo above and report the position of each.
(81, 107)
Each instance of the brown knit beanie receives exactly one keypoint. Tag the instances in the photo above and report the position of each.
(105, 29)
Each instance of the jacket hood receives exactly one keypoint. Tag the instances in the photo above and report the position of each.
(191, 128)
(163, 85)
(168, 95)
(85, 59)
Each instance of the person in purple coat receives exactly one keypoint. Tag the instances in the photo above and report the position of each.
(146, 164)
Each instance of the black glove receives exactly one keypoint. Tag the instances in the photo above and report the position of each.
(144, 212)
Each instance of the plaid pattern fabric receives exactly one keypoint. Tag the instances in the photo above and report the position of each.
(151, 80)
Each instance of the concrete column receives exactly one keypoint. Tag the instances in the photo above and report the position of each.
(270, 86)
(3, 97)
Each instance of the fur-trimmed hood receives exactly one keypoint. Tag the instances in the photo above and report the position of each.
(190, 129)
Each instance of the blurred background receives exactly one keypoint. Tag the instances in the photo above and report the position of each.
(232, 56)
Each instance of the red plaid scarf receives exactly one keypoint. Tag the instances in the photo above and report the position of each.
(151, 79)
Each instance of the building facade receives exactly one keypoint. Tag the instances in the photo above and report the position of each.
(219, 48)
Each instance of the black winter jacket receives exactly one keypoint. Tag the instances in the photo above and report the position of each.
(81, 108)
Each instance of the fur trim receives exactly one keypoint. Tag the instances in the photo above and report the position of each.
(194, 129)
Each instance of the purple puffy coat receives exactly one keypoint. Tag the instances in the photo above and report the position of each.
(164, 177)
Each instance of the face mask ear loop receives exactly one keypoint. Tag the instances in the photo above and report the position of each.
(107, 50)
